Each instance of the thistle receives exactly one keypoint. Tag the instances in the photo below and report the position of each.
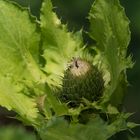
(35, 59)
(81, 80)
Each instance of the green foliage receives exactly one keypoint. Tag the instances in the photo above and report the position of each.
(34, 56)
(12, 98)
(95, 129)
(15, 133)
(21, 40)
(59, 45)
(17, 42)
(110, 29)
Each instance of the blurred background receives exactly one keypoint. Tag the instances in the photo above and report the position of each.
(74, 13)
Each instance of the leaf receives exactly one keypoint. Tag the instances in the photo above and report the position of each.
(59, 45)
(15, 133)
(132, 125)
(95, 129)
(12, 98)
(52, 103)
(121, 88)
(19, 43)
(51, 130)
(109, 27)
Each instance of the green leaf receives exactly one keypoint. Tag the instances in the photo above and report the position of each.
(109, 27)
(95, 129)
(52, 103)
(55, 129)
(19, 50)
(59, 45)
(132, 125)
(15, 133)
(19, 43)
(12, 98)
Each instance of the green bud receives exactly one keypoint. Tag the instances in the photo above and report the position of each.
(81, 80)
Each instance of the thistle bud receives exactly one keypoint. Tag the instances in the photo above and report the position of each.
(81, 80)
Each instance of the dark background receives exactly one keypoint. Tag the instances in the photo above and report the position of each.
(74, 13)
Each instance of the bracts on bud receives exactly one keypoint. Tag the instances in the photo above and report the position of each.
(81, 80)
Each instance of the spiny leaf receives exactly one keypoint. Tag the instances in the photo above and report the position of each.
(59, 45)
(95, 129)
(109, 27)
(54, 104)
(12, 98)
(19, 43)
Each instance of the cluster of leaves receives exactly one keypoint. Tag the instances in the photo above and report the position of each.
(34, 55)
